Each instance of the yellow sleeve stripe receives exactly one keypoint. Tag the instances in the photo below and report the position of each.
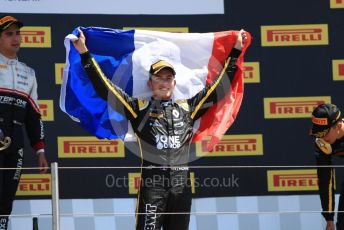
(113, 90)
(211, 89)
(139, 192)
(330, 201)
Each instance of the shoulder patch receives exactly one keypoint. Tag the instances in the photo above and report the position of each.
(324, 146)
(183, 103)
(142, 104)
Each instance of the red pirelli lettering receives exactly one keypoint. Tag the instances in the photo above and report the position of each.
(295, 180)
(44, 109)
(294, 35)
(248, 72)
(235, 145)
(293, 107)
(341, 69)
(90, 147)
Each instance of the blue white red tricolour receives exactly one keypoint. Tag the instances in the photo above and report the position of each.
(125, 57)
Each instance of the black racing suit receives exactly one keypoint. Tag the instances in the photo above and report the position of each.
(18, 107)
(326, 177)
(164, 131)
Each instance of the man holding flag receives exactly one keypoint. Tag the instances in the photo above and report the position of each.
(164, 129)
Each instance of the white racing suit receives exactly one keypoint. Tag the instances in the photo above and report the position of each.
(18, 108)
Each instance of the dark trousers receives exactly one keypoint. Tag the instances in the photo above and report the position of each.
(169, 192)
(9, 180)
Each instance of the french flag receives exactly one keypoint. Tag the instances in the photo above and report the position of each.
(125, 57)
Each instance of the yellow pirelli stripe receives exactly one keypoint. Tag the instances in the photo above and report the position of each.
(113, 90)
(211, 89)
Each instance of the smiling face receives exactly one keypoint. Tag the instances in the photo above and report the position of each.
(10, 40)
(162, 84)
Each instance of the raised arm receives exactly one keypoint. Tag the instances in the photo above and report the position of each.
(118, 98)
(218, 88)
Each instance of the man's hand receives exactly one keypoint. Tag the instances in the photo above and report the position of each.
(330, 226)
(80, 44)
(42, 163)
(241, 40)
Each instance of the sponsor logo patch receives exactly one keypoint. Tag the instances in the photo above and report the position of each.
(294, 35)
(34, 185)
(89, 147)
(335, 4)
(233, 145)
(251, 72)
(36, 37)
(46, 108)
(338, 70)
(292, 107)
(292, 180)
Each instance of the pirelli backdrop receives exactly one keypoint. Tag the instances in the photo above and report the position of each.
(296, 61)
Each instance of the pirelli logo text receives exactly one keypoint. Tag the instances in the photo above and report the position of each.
(46, 108)
(334, 4)
(34, 185)
(292, 107)
(319, 121)
(36, 37)
(163, 29)
(251, 72)
(338, 69)
(89, 147)
(59, 73)
(233, 145)
(294, 35)
(292, 180)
